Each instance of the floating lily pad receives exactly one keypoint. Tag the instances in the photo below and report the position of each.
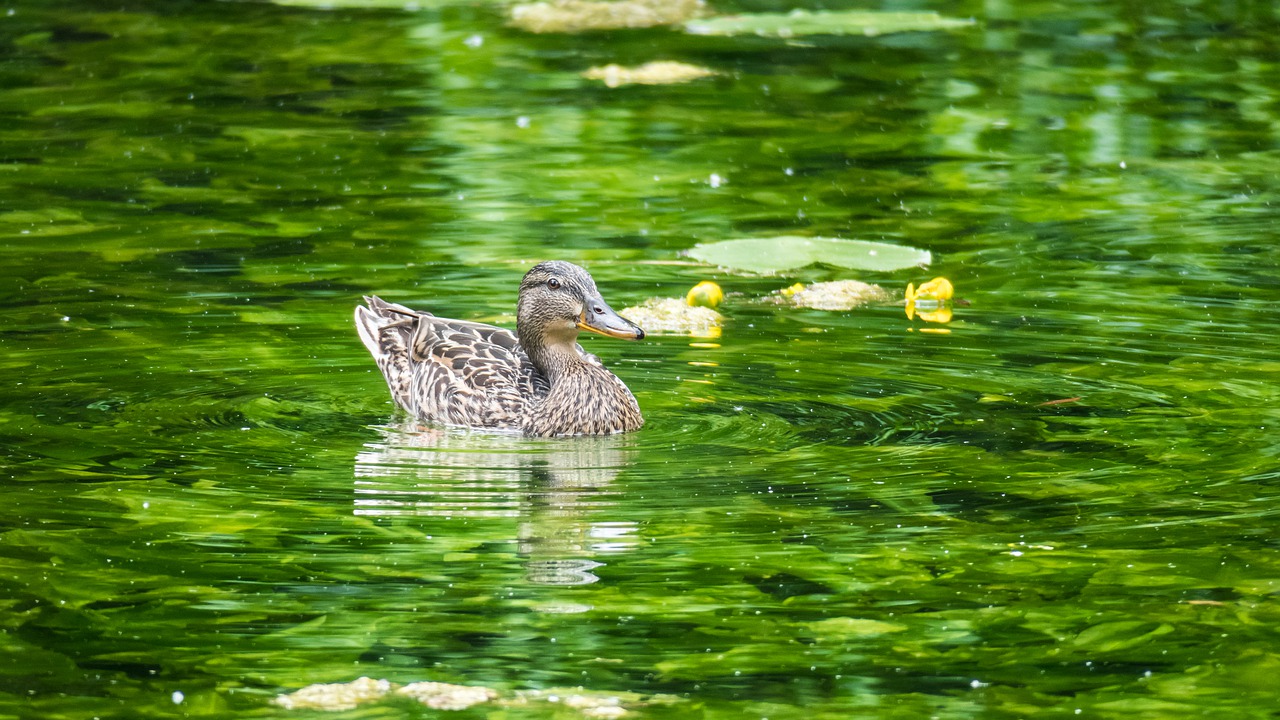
(788, 252)
(800, 22)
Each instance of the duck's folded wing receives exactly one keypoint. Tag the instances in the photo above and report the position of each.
(471, 374)
(386, 329)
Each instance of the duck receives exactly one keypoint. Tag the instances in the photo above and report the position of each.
(537, 380)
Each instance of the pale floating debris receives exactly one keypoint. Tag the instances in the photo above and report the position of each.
(837, 295)
(445, 696)
(601, 711)
(660, 72)
(591, 703)
(800, 22)
(575, 16)
(674, 316)
(595, 705)
(335, 696)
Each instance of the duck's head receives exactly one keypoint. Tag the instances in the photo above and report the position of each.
(557, 299)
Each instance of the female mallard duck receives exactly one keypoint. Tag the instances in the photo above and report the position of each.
(538, 380)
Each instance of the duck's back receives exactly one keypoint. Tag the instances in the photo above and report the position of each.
(450, 371)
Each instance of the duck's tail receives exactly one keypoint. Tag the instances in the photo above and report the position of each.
(386, 329)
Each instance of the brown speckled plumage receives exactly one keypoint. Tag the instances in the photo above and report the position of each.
(476, 375)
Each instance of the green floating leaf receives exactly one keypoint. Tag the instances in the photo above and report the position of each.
(788, 252)
(800, 22)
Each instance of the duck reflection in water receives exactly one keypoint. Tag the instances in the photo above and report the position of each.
(556, 492)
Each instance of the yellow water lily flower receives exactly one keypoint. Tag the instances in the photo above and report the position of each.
(704, 294)
(938, 288)
(931, 301)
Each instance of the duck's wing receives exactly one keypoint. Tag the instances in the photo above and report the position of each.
(386, 329)
(450, 371)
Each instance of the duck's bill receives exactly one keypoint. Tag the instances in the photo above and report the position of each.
(600, 318)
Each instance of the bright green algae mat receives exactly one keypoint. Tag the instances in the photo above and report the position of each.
(1065, 506)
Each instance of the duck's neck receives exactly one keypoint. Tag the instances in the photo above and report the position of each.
(555, 355)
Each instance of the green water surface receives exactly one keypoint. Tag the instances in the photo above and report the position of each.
(1065, 506)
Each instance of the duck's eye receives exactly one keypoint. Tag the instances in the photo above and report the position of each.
(554, 283)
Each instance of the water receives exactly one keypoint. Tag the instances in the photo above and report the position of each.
(1065, 506)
